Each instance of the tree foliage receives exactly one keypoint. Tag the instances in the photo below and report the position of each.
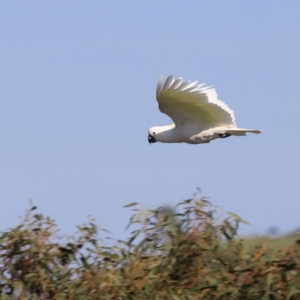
(193, 254)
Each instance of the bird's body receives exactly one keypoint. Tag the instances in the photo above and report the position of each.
(199, 117)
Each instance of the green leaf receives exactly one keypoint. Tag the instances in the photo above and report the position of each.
(292, 293)
(170, 292)
(237, 218)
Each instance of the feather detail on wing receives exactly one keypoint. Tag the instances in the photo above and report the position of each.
(190, 104)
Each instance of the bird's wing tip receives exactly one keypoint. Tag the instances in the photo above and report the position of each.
(159, 85)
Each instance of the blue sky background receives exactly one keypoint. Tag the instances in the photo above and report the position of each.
(77, 91)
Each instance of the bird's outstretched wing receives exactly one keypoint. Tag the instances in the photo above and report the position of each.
(189, 104)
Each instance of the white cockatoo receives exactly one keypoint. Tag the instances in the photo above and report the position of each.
(198, 116)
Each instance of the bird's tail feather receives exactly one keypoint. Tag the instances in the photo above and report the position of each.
(241, 131)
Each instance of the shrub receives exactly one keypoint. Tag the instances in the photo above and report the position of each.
(189, 255)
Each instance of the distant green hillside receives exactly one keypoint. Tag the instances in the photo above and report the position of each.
(271, 242)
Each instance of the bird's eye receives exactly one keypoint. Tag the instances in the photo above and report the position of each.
(153, 132)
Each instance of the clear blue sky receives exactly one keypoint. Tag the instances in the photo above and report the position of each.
(77, 90)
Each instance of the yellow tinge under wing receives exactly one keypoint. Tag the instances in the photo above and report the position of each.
(190, 104)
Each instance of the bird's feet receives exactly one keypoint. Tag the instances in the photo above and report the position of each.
(224, 135)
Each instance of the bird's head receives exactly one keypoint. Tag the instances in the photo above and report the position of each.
(152, 133)
(160, 134)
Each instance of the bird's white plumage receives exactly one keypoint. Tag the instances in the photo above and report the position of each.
(198, 114)
(192, 103)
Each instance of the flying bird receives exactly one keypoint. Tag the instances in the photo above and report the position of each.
(198, 116)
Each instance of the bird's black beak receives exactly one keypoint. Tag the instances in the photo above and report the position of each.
(151, 139)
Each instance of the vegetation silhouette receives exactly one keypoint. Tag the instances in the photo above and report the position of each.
(190, 254)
